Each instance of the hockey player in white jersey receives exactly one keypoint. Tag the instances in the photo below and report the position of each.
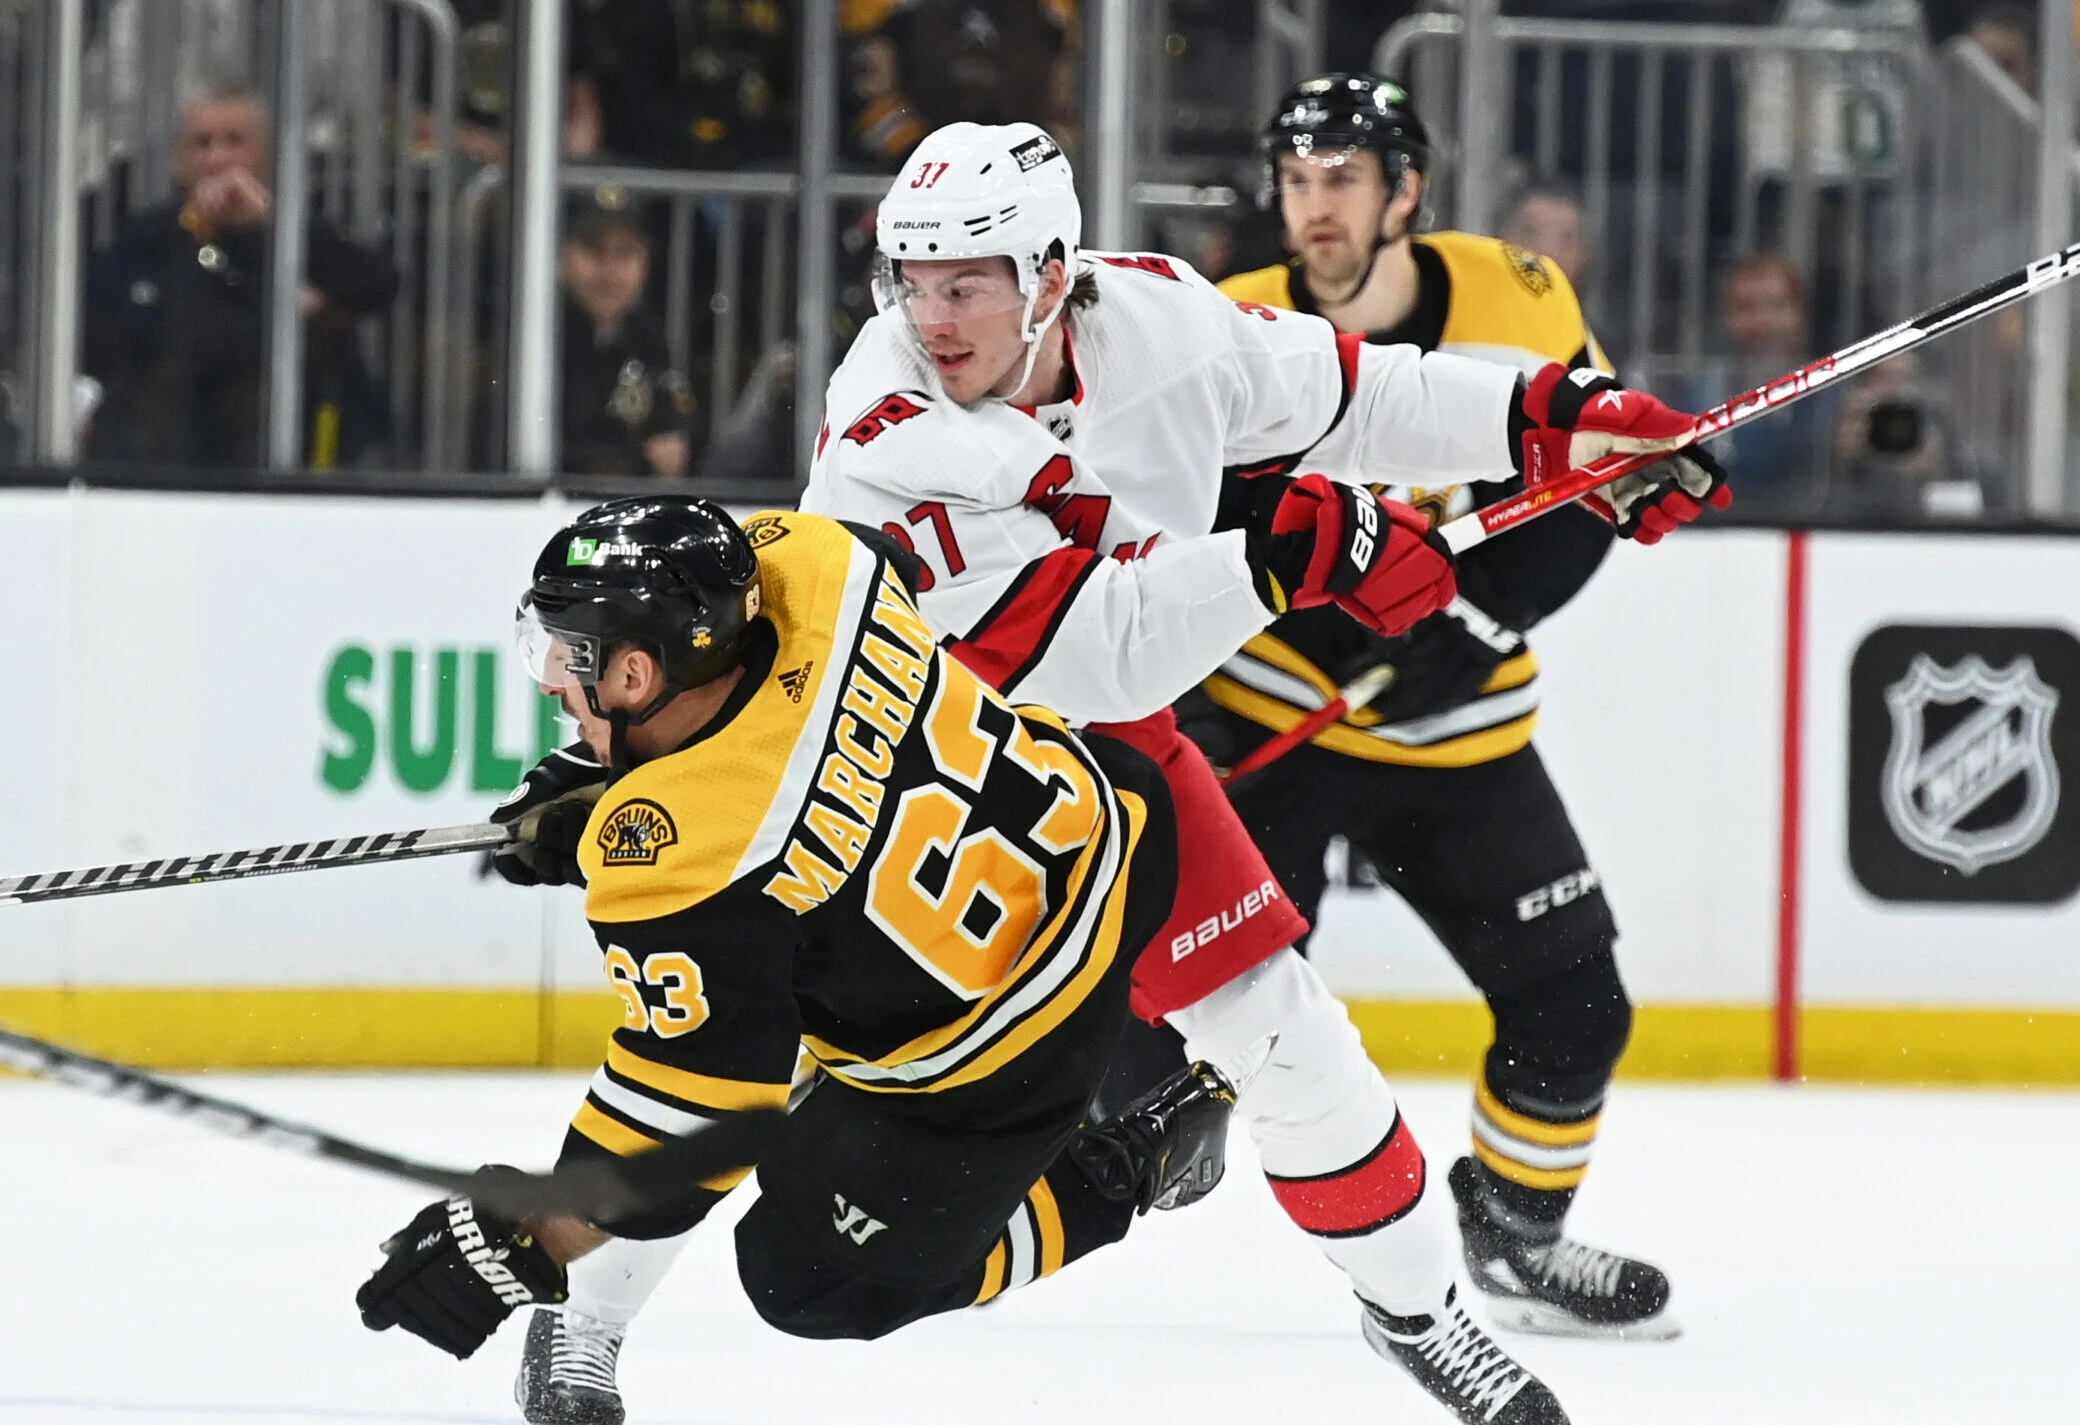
(1112, 477)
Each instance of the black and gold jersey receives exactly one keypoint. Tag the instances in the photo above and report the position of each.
(1482, 298)
(868, 854)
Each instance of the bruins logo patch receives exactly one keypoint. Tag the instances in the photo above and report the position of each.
(765, 530)
(636, 833)
(1530, 269)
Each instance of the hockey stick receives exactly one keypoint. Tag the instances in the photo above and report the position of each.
(597, 1189)
(2029, 280)
(1478, 526)
(265, 861)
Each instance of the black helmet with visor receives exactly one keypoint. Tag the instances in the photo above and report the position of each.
(675, 577)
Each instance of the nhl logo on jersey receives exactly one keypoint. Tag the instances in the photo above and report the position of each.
(635, 834)
(1936, 786)
(1957, 736)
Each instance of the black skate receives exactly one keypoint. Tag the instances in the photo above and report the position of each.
(1463, 1370)
(567, 1370)
(1166, 1149)
(1559, 1288)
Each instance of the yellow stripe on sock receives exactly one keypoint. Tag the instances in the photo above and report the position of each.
(1548, 1179)
(992, 1273)
(1047, 1213)
(1531, 1130)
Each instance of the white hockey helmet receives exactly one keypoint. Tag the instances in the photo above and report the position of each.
(976, 190)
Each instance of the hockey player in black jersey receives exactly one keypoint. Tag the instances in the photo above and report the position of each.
(1437, 784)
(808, 827)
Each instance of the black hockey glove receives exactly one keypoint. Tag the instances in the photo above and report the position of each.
(1440, 664)
(550, 809)
(453, 1274)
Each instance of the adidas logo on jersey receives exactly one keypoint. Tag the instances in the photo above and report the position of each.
(795, 681)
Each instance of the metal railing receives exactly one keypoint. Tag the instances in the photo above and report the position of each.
(96, 115)
(1684, 87)
(1889, 176)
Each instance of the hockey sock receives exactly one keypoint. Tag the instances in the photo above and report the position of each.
(1532, 1156)
(1539, 1100)
(1062, 1218)
(612, 1283)
(1341, 1161)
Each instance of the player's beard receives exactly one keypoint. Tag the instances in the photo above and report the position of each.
(1337, 266)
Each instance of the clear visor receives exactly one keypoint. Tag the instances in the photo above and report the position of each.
(554, 658)
(934, 293)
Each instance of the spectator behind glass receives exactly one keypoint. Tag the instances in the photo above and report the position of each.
(914, 65)
(626, 411)
(1779, 462)
(176, 313)
(717, 92)
(1550, 220)
(2008, 34)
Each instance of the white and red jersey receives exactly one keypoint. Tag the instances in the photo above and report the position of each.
(1070, 551)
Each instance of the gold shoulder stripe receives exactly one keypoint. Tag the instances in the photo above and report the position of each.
(1507, 300)
(1273, 286)
(688, 1087)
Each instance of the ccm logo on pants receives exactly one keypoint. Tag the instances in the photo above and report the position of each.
(1215, 926)
(1570, 887)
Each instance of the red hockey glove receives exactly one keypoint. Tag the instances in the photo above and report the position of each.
(1578, 417)
(1376, 560)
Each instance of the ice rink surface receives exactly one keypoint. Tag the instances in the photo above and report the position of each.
(1838, 1256)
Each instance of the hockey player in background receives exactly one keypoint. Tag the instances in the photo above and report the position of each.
(1437, 785)
(823, 832)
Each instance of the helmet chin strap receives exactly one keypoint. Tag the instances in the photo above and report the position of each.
(1033, 334)
(620, 761)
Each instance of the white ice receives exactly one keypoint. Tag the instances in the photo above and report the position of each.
(1838, 1255)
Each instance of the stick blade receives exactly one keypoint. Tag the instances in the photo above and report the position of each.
(602, 1189)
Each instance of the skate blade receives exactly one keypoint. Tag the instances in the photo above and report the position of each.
(1537, 1318)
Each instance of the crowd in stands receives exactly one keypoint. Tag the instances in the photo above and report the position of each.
(175, 299)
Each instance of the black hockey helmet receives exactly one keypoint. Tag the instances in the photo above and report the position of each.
(674, 576)
(1344, 110)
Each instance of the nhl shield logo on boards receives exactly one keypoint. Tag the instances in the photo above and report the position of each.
(1941, 791)
(1964, 741)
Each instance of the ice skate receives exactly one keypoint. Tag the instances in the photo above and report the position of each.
(1464, 1371)
(1168, 1148)
(1560, 1288)
(567, 1370)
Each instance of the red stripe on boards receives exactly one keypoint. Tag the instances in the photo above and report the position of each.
(1381, 1187)
(1795, 558)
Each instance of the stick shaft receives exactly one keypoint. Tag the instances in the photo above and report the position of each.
(596, 1189)
(263, 861)
(2023, 283)
(1355, 694)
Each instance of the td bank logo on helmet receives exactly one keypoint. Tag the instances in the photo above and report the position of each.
(590, 553)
